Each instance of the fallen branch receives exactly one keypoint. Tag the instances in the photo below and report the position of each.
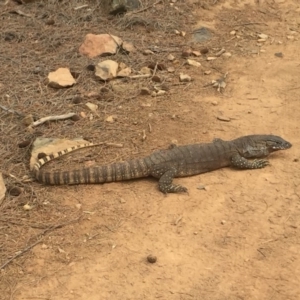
(52, 118)
(11, 111)
(40, 238)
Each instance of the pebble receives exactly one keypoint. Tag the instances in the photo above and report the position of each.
(207, 72)
(24, 144)
(185, 78)
(233, 32)
(171, 70)
(263, 36)
(194, 63)
(151, 259)
(279, 54)
(226, 54)
(211, 58)
(196, 53)
(145, 91)
(171, 57)
(223, 118)
(15, 191)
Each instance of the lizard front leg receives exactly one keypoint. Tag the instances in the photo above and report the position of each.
(242, 163)
(165, 182)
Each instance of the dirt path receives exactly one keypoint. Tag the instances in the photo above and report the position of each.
(236, 239)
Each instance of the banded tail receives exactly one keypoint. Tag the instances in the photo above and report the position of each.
(136, 168)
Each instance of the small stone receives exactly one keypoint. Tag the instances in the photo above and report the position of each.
(146, 70)
(233, 32)
(279, 54)
(171, 69)
(211, 58)
(106, 69)
(194, 63)
(128, 47)
(186, 53)
(196, 53)
(101, 44)
(110, 119)
(290, 37)
(182, 33)
(124, 72)
(223, 118)
(151, 259)
(261, 40)
(50, 22)
(91, 68)
(24, 144)
(78, 205)
(93, 107)
(15, 191)
(145, 91)
(263, 36)
(156, 78)
(176, 31)
(207, 72)
(27, 207)
(148, 52)
(75, 118)
(171, 57)
(185, 78)
(77, 99)
(204, 51)
(214, 103)
(28, 120)
(223, 222)
(262, 50)
(226, 54)
(160, 93)
(61, 78)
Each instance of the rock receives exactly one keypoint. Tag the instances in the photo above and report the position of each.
(263, 36)
(184, 78)
(93, 107)
(211, 58)
(156, 78)
(233, 32)
(28, 120)
(146, 71)
(171, 69)
(147, 52)
(151, 259)
(128, 47)
(204, 50)
(207, 72)
(145, 91)
(160, 93)
(115, 7)
(61, 78)
(194, 63)
(124, 72)
(77, 99)
(2, 189)
(99, 44)
(223, 118)
(15, 191)
(226, 54)
(202, 34)
(182, 33)
(25, 143)
(186, 53)
(106, 69)
(196, 53)
(171, 57)
(279, 54)
(110, 119)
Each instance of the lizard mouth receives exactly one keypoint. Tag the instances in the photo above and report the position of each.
(282, 146)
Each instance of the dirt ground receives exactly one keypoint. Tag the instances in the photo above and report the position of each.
(238, 238)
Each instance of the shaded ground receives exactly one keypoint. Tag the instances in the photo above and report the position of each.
(237, 239)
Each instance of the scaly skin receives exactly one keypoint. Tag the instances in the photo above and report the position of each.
(165, 165)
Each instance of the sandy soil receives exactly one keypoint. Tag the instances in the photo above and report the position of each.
(236, 239)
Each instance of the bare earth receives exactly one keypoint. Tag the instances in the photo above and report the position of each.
(236, 239)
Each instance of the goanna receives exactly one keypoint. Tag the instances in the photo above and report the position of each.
(165, 165)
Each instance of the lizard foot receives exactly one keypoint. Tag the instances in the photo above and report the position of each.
(172, 188)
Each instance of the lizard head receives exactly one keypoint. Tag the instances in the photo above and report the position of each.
(274, 143)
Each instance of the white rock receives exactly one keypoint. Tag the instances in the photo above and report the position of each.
(124, 73)
(233, 32)
(106, 69)
(93, 107)
(263, 36)
(211, 58)
(194, 63)
(184, 78)
(61, 78)
(226, 54)
(171, 57)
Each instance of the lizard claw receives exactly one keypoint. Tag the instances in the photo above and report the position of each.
(260, 163)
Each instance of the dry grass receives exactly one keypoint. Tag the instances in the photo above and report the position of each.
(30, 49)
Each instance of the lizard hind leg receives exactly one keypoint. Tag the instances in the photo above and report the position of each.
(166, 185)
(243, 163)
